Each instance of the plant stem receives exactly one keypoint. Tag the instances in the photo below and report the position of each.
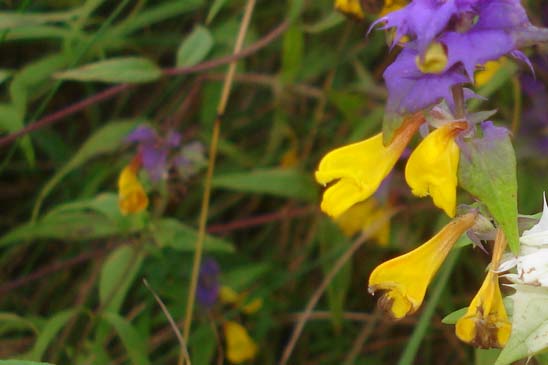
(227, 86)
(114, 90)
(458, 97)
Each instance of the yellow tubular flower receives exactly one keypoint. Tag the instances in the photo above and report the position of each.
(432, 167)
(361, 167)
(434, 60)
(490, 69)
(486, 323)
(361, 215)
(405, 278)
(239, 346)
(230, 296)
(131, 195)
(351, 8)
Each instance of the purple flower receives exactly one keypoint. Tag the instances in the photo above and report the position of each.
(471, 32)
(491, 37)
(154, 150)
(410, 90)
(207, 290)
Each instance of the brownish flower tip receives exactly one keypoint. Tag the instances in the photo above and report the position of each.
(486, 334)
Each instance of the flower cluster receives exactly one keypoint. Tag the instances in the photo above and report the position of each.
(443, 43)
(446, 41)
(155, 155)
(240, 346)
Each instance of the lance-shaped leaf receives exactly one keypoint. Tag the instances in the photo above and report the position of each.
(487, 169)
(529, 324)
(115, 70)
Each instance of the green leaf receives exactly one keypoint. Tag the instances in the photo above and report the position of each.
(529, 324)
(542, 358)
(292, 53)
(103, 141)
(242, 277)
(18, 20)
(195, 47)
(34, 78)
(204, 349)
(67, 226)
(152, 15)
(11, 120)
(485, 357)
(295, 10)
(288, 183)
(117, 275)
(453, 317)
(487, 169)
(214, 10)
(49, 333)
(115, 70)
(4, 75)
(169, 232)
(134, 343)
(12, 322)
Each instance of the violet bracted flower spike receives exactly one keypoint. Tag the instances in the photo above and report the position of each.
(207, 290)
(154, 149)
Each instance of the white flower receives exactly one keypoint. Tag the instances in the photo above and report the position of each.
(532, 262)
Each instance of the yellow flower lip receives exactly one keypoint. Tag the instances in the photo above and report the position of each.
(351, 8)
(363, 215)
(240, 347)
(486, 323)
(361, 167)
(404, 279)
(131, 194)
(432, 167)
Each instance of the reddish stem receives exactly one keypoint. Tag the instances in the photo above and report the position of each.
(114, 90)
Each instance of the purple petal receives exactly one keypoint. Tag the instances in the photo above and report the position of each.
(154, 160)
(207, 290)
(173, 139)
(142, 133)
(209, 267)
(492, 135)
(476, 47)
(409, 90)
(423, 20)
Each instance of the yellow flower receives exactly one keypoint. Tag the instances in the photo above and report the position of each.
(432, 167)
(405, 278)
(361, 167)
(486, 324)
(362, 215)
(351, 8)
(392, 5)
(230, 296)
(490, 69)
(131, 195)
(357, 8)
(239, 346)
